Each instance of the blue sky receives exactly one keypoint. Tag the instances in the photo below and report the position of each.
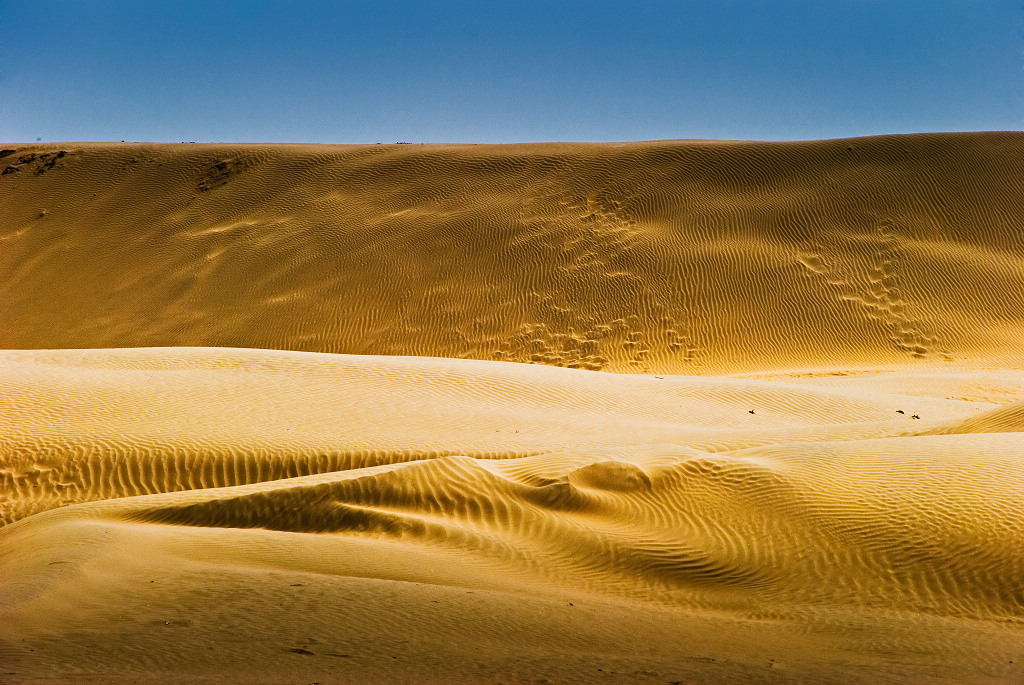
(497, 71)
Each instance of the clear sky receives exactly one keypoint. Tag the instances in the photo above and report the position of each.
(506, 70)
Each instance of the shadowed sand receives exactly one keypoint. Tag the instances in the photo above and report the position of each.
(318, 465)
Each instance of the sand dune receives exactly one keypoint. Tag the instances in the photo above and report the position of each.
(258, 421)
(243, 479)
(639, 257)
(87, 425)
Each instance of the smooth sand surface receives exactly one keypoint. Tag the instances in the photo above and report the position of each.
(258, 420)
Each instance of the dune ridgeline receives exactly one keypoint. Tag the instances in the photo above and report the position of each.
(665, 412)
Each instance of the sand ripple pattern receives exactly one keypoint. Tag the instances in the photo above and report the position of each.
(690, 529)
(662, 412)
(638, 258)
(711, 494)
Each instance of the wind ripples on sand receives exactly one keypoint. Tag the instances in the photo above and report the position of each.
(638, 258)
(260, 420)
(928, 519)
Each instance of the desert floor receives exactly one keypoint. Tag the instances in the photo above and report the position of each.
(666, 412)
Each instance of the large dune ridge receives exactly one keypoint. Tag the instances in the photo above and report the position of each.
(675, 257)
(263, 416)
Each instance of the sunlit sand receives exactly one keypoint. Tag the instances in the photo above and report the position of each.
(631, 413)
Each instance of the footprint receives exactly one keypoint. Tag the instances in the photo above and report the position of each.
(813, 262)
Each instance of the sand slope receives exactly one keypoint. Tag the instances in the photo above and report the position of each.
(631, 257)
(258, 421)
(826, 526)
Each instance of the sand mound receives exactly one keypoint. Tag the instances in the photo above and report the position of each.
(89, 425)
(258, 424)
(1008, 419)
(637, 257)
(398, 499)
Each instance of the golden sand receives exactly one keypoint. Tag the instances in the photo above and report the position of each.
(258, 421)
